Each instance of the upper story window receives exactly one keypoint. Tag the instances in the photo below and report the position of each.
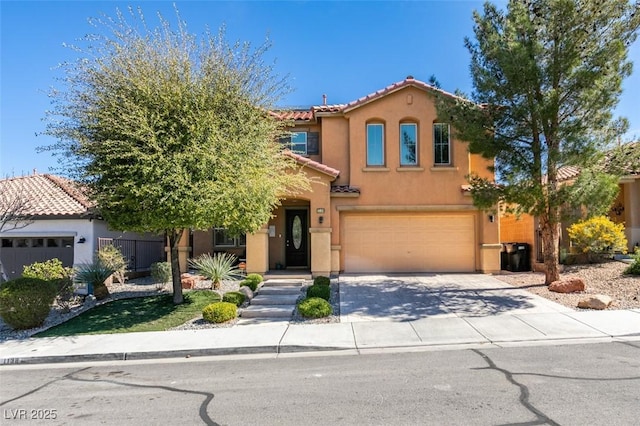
(408, 144)
(441, 144)
(375, 144)
(299, 142)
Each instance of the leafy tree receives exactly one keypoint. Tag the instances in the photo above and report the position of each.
(170, 131)
(547, 75)
(15, 209)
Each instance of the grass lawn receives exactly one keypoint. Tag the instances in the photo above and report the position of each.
(154, 313)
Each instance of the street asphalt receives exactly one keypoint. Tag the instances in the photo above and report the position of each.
(378, 313)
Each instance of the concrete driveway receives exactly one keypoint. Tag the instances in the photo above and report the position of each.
(413, 297)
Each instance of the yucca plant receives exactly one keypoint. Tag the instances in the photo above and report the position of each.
(94, 274)
(220, 266)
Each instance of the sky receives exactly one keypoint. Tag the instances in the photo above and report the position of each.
(345, 50)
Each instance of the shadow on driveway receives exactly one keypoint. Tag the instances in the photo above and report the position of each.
(410, 298)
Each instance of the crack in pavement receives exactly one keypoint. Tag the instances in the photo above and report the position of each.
(203, 407)
(71, 376)
(524, 392)
(39, 388)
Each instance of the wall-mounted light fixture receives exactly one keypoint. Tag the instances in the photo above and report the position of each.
(321, 219)
(320, 210)
(81, 240)
(492, 218)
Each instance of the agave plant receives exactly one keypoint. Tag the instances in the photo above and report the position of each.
(220, 266)
(94, 275)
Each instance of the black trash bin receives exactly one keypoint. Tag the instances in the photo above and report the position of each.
(517, 257)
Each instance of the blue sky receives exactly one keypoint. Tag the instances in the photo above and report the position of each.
(345, 50)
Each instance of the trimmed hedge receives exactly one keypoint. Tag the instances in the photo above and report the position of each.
(314, 307)
(252, 281)
(321, 280)
(219, 312)
(234, 297)
(322, 291)
(26, 302)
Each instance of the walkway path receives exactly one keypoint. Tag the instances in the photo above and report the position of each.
(275, 300)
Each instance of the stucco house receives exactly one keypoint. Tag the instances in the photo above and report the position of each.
(63, 224)
(625, 209)
(389, 194)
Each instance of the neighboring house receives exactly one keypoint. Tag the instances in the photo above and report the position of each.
(63, 224)
(389, 194)
(625, 209)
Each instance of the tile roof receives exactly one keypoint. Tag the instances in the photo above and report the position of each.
(344, 189)
(409, 81)
(568, 172)
(47, 195)
(310, 114)
(307, 162)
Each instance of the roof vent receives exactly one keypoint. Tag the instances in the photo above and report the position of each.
(324, 99)
(409, 77)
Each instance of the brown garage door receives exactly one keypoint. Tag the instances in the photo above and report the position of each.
(15, 253)
(409, 243)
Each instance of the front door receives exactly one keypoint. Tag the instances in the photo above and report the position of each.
(296, 252)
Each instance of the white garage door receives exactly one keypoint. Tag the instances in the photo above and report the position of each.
(409, 243)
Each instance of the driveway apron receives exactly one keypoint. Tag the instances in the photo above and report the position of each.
(402, 298)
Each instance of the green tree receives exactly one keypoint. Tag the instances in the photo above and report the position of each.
(546, 75)
(171, 131)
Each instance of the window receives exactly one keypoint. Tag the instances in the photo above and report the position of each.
(222, 239)
(375, 144)
(408, 144)
(299, 142)
(441, 144)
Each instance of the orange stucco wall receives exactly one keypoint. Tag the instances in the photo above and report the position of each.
(514, 229)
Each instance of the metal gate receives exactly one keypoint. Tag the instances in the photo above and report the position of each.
(139, 254)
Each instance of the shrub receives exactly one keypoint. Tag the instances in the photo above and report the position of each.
(234, 297)
(322, 291)
(252, 281)
(26, 302)
(161, 272)
(219, 312)
(219, 267)
(320, 280)
(597, 236)
(112, 257)
(60, 276)
(49, 270)
(94, 274)
(634, 268)
(251, 284)
(254, 277)
(314, 307)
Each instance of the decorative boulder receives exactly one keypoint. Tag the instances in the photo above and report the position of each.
(188, 281)
(597, 301)
(248, 293)
(570, 285)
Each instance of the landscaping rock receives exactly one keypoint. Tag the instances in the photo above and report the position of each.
(189, 281)
(569, 285)
(597, 301)
(248, 293)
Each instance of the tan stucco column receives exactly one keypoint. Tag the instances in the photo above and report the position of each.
(258, 252)
(320, 251)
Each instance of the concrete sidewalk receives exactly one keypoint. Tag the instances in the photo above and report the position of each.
(377, 313)
(358, 337)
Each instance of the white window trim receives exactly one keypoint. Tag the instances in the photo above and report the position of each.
(415, 126)
(435, 162)
(306, 143)
(367, 145)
